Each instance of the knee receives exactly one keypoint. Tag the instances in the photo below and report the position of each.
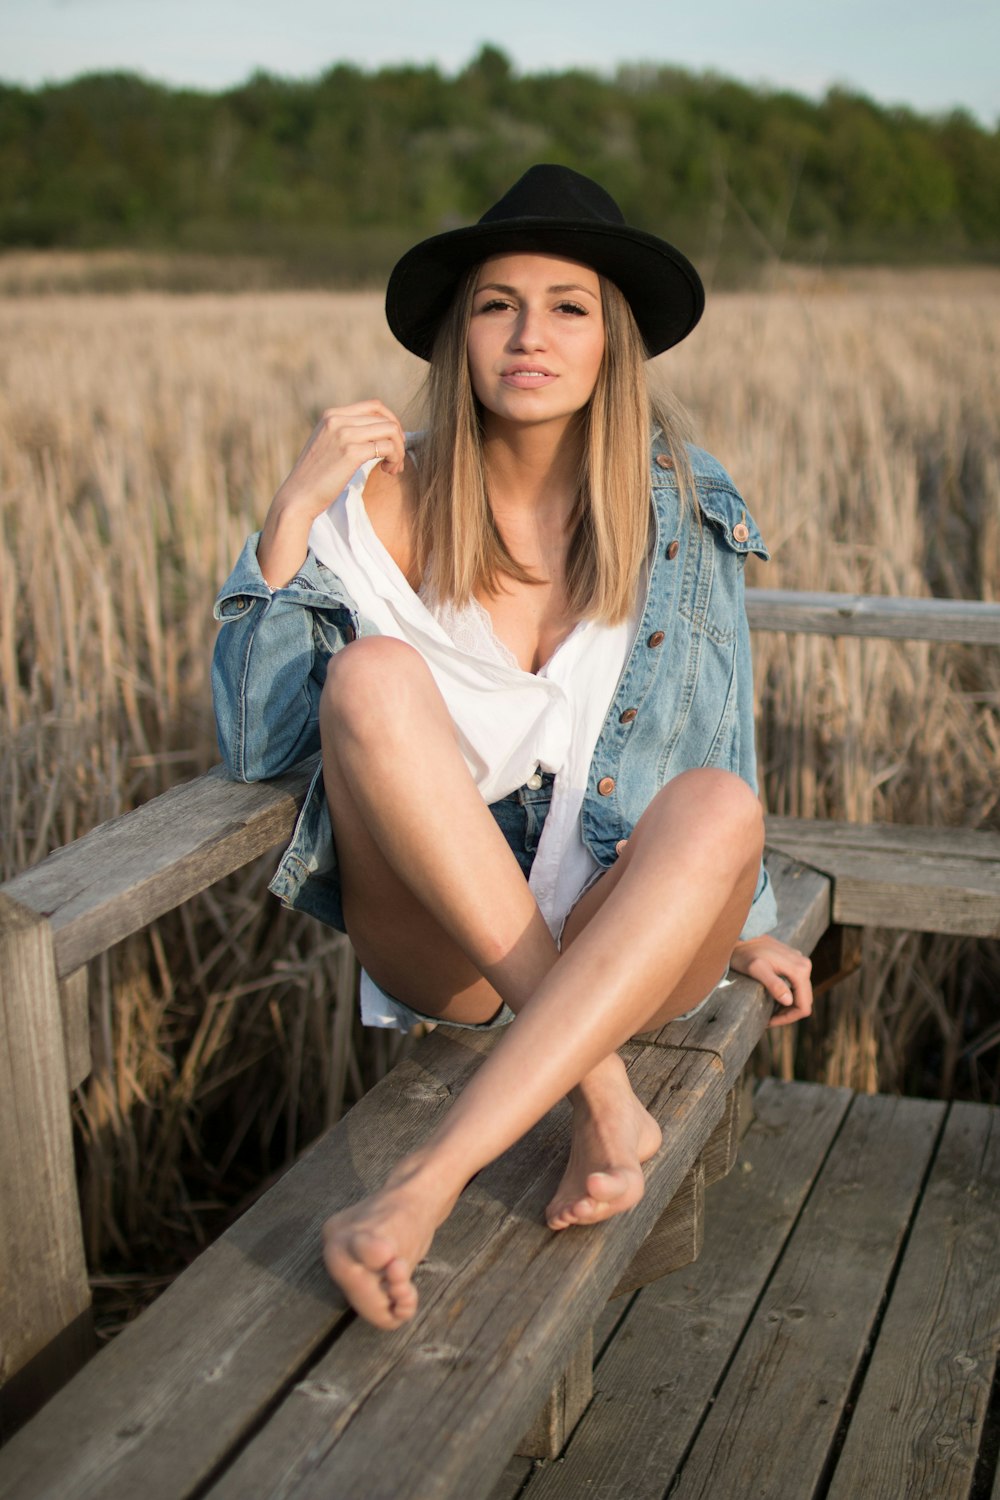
(726, 806)
(364, 680)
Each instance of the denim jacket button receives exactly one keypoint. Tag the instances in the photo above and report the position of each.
(664, 461)
(741, 533)
(627, 716)
(534, 781)
(348, 633)
(606, 786)
(656, 639)
(620, 845)
(673, 549)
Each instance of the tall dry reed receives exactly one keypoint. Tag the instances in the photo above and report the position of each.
(140, 440)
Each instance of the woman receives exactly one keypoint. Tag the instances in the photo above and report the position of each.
(530, 618)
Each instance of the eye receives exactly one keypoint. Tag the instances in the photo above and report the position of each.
(494, 304)
(572, 307)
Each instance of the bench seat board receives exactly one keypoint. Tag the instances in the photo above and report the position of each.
(162, 1407)
(210, 1355)
(165, 1408)
(656, 1380)
(918, 1422)
(790, 1382)
(920, 879)
(458, 1386)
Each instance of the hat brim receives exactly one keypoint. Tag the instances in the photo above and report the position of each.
(660, 284)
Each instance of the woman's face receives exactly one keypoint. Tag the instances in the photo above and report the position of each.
(536, 337)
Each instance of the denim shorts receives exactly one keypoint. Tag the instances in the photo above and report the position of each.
(520, 818)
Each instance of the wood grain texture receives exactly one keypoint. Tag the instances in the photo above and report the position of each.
(513, 1479)
(784, 1395)
(656, 1378)
(719, 1156)
(74, 1004)
(974, 621)
(919, 1418)
(564, 1406)
(158, 1411)
(43, 1275)
(920, 879)
(458, 1385)
(151, 860)
(675, 1239)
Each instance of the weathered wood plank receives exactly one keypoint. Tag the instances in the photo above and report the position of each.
(564, 1406)
(974, 621)
(153, 859)
(919, 1418)
(946, 880)
(73, 1002)
(43, 1275)
(973, 844)
(675, 1239)
(458, 1385)
(719, 1156)
(513, 1479)
(784, 1395)
(196, 1372)
(656, 1379)
(203, 1362)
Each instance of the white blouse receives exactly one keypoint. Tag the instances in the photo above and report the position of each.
(510, 723)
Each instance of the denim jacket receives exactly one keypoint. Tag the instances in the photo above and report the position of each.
(684, 699)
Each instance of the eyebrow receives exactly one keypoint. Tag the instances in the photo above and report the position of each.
(567, 286)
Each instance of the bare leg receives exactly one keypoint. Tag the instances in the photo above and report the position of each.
(662, 924)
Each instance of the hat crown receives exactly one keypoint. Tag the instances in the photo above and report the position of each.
(552, 193)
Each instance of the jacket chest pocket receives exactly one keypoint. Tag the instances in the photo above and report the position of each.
(708, 594)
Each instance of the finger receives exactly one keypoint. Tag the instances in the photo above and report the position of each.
(793, 996)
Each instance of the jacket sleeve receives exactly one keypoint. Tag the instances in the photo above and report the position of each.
(270, 661)
(763, 914)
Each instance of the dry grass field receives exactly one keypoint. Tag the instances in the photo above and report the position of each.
(141, 438)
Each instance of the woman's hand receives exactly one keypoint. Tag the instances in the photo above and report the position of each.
(343, 439)
(784, 973)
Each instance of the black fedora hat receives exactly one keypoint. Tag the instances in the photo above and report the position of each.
(559, 212)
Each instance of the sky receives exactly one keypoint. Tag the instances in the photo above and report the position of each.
(920, 53)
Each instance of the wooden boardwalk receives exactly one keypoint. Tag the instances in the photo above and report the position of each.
(838, 1337)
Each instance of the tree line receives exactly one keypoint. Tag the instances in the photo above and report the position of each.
(336, 174)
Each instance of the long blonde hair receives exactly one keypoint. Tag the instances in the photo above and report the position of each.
(459, 547)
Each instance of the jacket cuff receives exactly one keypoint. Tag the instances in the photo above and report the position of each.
(314, 585)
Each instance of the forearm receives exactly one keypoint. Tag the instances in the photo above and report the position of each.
(284, 540)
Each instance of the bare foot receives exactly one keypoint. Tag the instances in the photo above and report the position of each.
(612, 1136)
(372, 1249)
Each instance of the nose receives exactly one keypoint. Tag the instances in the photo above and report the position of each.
(528, 331)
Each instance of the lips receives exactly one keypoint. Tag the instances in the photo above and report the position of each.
(526, 377)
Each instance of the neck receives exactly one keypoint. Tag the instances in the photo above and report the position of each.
(534, 468)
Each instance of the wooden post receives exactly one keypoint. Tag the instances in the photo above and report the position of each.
(45, 1330)
(719, 1155)
(835, 956)
(675, 1239)
(566, 1404)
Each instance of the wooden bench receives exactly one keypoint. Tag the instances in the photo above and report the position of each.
(251, 1355)
(505, 1302)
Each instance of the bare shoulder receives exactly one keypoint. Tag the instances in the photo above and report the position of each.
(391, 503)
